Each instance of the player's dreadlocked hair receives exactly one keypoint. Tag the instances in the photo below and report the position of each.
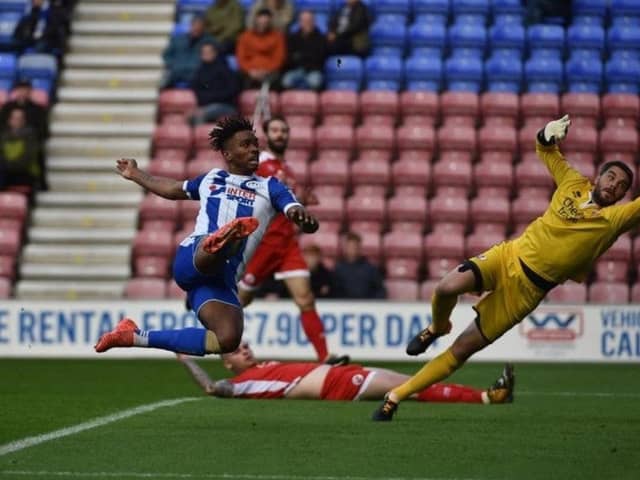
(226, 128)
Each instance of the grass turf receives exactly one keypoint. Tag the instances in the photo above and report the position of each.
(558, 427)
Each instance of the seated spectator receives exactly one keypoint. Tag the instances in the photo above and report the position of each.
(261, 51)
(306, 51)
(224, 20)
(349, 29)
(44, 31)
(354, 276)
(281, 11)
(321, 276)
(215, 85)
(182, 55)
(19, 152)
(37, 115)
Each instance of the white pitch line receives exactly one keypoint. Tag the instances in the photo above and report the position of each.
(96, 422)
(580, 394)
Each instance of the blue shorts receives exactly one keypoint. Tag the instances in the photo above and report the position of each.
(202, 288)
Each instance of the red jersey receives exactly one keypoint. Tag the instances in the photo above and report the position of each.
(270, 379)
(281, 226)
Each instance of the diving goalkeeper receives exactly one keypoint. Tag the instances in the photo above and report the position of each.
(579, 225)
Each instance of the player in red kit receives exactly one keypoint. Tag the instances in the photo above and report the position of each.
(279, 253)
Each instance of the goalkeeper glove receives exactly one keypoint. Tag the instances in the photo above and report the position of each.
(556, 130)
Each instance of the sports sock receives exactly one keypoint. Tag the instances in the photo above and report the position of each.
(211, 343)
(450, 393)
(314, 329)
(437, 369)
(441, 307)
(186, 340)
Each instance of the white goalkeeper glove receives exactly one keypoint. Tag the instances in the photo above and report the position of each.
(556, 130)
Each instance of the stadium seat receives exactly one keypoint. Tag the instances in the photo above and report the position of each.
(302, 137)
(10, 242)
(504, 138)
(443, 244)
(479, 242)
(370, 171)
(459, 104)
(412, 170)
(329, 208)
(375, 137)
(378, 102)
(526, 208)
(13, 205)
(504, 73)
(581, 139)
(615, 105)
(569, 292)
(403, 244)
(624, 7)
(583, 74)
(248, 99)
(339, 102)
(407, 208)
(402, 290)
(426, 38)
(146, 288)
(384, 72)
(507, 37)
(180, 101)
(457, 138)
(8, 266)
(367, 226)
(544, 74)
(153, 243)
(38, 66)
(416, 137)
(151, 267)
(364, 207)
(582, 105)
(470, 37)
(546, 40)
(423, 73)
(173, 136)
(612, 270)
(158, 208)
(343, 73)
(585, 37)
(621, 140)
(420, 104)
(622, 75)
(540, 105)
(330, 168)
(494, 171)
(387, 38)
(464, 73)
(500, 105)
(625, 38)
(621, 250)
(531, 172)
(327, 240)
(446, 208)
(174, 291)
(5, 287)
(490, 210)
(299, 102)
(452, 172)
(609, 293)
(439, 267)
(402, 268)
(335, 137)
(168, 168)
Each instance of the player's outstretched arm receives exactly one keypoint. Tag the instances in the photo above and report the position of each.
(301, 217)
(548, 151)
(556, 130)
(164, 187)
(221, 388)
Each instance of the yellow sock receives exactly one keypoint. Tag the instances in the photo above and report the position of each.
(436, 370)
(441, 307)
(211, 343)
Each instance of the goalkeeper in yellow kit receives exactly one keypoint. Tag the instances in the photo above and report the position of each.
(579, 225)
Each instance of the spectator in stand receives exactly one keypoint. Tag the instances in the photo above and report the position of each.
(321, 276)
(215, 85)
(19, 152)
(307, 51)
(281, 11)
(224, 20)
(349, 29)
(539, 10)
(261, 51)
(44, 31)
(354, 276)
(182, 56)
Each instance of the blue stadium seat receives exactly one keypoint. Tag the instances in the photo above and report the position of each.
(423, 72)
(623, 75)
(388, 38)
(589, 7)
(504, 73)
(464, 74)
(546, 40)
(436, 8)
(394, 18)
(588, 20)
(508, 19)
(8, 22)
(543, 74)
(507, 36)
(585, 37)
(191, 6)
(37, 65)
(625, 21)
(384, 73)
(584, 74)
(316, 6)
(424, 36)
(474, 7)
(623, 38)
(8, 67)
(625, 7)
(179, 29)
(398, 7)
(343, 73)
(499, 7)
(14, 6)
(430, 19)
(469, 36)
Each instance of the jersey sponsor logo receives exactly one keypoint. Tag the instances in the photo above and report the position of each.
(570, 211)
(357, 379)
(553, 325)
(240, 195)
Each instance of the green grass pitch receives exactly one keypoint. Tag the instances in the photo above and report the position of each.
(568, 421)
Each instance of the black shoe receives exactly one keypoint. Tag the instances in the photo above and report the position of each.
(423, 340)
(502, 390)
(384, 413)
(337, 360)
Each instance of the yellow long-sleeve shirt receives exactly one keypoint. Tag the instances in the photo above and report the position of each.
(573, 232)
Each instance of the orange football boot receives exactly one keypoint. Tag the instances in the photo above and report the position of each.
(121, 336)
(234, 230)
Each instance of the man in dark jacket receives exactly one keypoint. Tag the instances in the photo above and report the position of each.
(349, 29)
(307, 51)
(19, 152)
(215, 86)
(354, 276)
(43, 30)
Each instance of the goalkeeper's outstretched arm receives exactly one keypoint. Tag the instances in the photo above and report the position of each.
(547, 149)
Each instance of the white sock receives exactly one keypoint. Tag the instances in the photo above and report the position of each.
(485, 398)
(141, 338)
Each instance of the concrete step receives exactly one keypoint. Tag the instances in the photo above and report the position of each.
(62, 290)
(88, 165)
(89, 200)
(114, 147)
(91, 60)
(102, 112)
(133, 95)
(112, 78)
(86, 219)
(133, 28)
(76, 254)
(89, 235)
(103, 129)
(90, 182)
(123, 12)
(60, 271)
(82, 44)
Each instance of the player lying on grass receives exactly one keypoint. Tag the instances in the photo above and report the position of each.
(580, 224)
(236, 207)
(318, 381)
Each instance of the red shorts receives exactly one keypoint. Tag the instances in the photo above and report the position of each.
(283, 260)
(345, 382)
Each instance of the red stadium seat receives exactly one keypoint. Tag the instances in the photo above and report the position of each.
(10, 242)
(173, 136)
(301, 137)
(13, 205)
(5, 287)
(299, 102)
(378, 102)
(501, 105)
(360, 207)
(173, 119)
(188, 210)
(412, 169)
(612, 271)
(457, 138)
(146, 288)
(444, 244)
(201, 136)
(609, 293)
(406, 226)
(370, 171)
(153, 267)
(481, 241)
(158, 225)
(7, 267)
(339, 102)
(581, 105)
(403, 244)
(619, 140)
(531, 172)
(581, 139)
(465, 104)
(322, 191)
(405, 290)
(545, 105)
(366, 190)
(490, 210)
(201, 165)
(490, 173)
(427, 288)
(439, 267)
(329, 208)
(168, 168)
(158, 208)
(366, 226)
(621, 250)
(526, 208)
(300, 168)
(625, 105)
(330, 168)
(491, 138)
(331, 226)
(182, 101)
(339, 120)
(153, 243)
(416, 137)
(177, 154)
(420, 104)
(377, 119)
(527, 137)
(375, 137)
(247, 103)
(408, 208)
(452, 172)
(569, 292)
(329, 241)
(402, 268)
(174, 291)
(335, 137)
(445, 207)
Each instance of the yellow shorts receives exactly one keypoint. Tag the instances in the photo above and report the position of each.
(512, 296)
